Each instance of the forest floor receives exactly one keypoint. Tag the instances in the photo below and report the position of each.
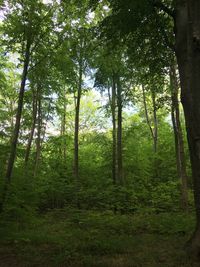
(71, 238)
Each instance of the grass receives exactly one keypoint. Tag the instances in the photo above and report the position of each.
(72, 238)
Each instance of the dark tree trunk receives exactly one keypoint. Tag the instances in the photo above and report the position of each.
(179, 142)
(114, 131)
(76, 129)
(112, 100)
(15, 136)
(76, 134)
(188, 56)
(11, 159)
(119, 132)
(30, 139)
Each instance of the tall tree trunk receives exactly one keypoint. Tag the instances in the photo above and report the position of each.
(119, 132)
(30, 139)
(76, 135)
(11, 119)
(153, 131)
(76, 129)
(113, 108)
(146, 111)
(179, 142)
(63, 129)
(112, 101)
(18, 115)
(39, 128)
(187, 35)
(15, 136)
(155, 121)
(46, 123)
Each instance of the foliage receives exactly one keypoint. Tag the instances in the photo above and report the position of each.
(104, 53)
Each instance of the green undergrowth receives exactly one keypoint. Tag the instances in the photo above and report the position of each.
(71, 237)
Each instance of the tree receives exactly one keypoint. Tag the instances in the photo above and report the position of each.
(23, 29)
(187, 36)
(32, 130)
(128, 17)
(154, 129)
(178, 136)
(24, 25)
(109, 76)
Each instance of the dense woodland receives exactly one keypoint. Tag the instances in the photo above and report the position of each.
(100, 133)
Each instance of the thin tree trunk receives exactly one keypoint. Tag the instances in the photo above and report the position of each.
(38, 140)
(112, 100)
(179, 142)
(14, 141)
(76, 129)
(76, 135)
(146, 111)
(63, 129)
(173, 116)
(30, 139)
(11, 119)
(18, 116)
(45, 125)
(119, 133)
(154, 132)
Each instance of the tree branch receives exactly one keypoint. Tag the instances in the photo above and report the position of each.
(158, 4)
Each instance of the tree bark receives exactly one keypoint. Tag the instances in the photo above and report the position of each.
(30, 139)
(179, 142)
(187, 34)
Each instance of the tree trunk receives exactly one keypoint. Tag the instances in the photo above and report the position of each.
(11, 119)
(112, 100)
(46, 122)
(155, 121)
(76, 135)
(119, 133)
(15, 136)
(154, 132)
(18, 116)
(63, 129)
(179, 142)
(30, 139)
(76, 129)
(188, 57)
(38, 140)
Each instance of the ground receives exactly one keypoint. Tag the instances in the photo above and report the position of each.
(72, 238)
